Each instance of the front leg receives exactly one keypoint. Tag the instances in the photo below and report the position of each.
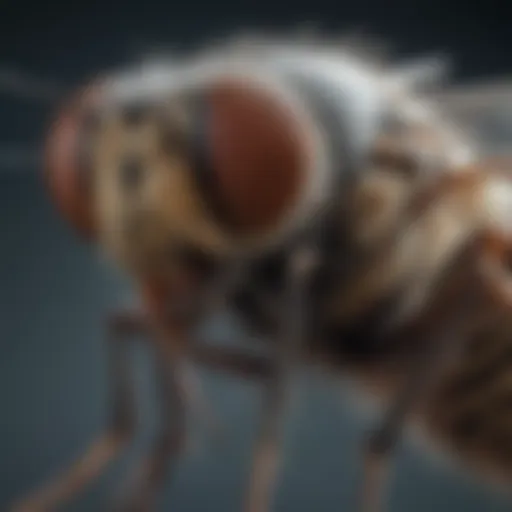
(118, 432)
(174, 306)
(168, 308)
(265, 465)
(142, 488)
(121, 325)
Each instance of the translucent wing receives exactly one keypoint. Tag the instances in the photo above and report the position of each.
(485, 109)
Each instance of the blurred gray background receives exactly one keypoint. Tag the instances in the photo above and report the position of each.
(55, 291)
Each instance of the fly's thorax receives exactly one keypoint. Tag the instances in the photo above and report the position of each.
(377, 204)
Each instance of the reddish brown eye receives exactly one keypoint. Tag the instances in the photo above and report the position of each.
(259, 153)
(65, 167)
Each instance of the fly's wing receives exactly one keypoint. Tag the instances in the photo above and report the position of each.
(485, 110)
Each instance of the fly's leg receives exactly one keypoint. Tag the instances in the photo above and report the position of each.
(462, 306)
(265, 464)
(144, 486)
(119, 431)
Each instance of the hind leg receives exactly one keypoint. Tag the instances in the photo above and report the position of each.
(118, 432)
(440, 335)
(379, 448)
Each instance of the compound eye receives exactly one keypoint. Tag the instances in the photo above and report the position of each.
(66, 170)
(260, 154)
